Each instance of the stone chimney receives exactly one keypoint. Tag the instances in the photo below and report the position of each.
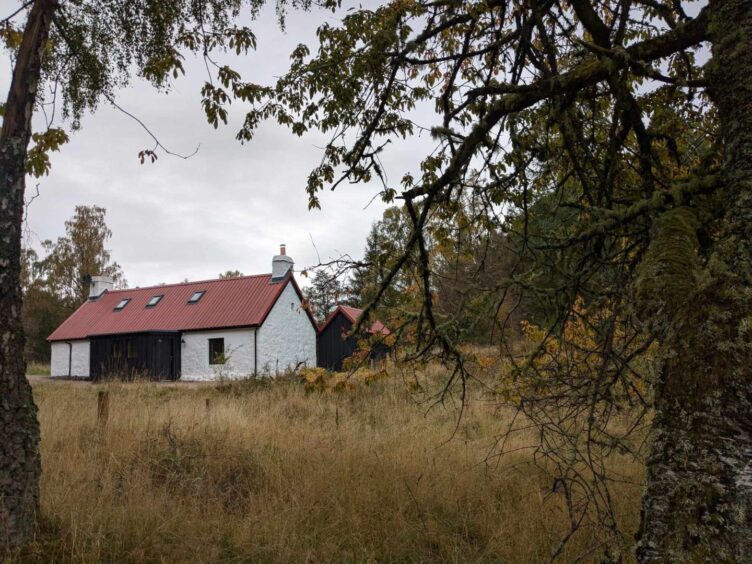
(281, 264)
(98, 285)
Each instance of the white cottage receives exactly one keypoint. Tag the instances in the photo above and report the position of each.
(231, 327)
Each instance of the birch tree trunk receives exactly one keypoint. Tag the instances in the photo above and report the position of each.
(19, 430)
(698, 501)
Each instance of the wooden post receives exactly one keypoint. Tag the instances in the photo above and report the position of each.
(103, 407)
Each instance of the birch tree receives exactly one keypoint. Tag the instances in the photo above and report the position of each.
(85, 51)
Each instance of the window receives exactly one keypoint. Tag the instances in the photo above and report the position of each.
(154, 300)
(196, 296)
(216, 351)
(122, 304)
(123, 349)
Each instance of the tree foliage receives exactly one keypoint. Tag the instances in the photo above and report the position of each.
(80, 253)
(58, 283)
(42, 312)
(384, 245)
(324, 294)
(231, 274)
(96, 48)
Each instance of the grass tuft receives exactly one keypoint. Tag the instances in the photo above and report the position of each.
(37, 369)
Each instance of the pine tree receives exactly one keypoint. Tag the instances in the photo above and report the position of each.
(324, 294)
(384, 244)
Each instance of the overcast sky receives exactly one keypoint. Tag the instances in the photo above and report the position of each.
(226, 208)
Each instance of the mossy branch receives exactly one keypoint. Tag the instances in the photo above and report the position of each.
(679, 195)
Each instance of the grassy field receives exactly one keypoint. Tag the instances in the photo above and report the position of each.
(37, 369)
(274, 473)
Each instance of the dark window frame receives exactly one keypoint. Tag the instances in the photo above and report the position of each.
(200, 293)
(213, 353)
(121, 304)
(158, 297)
(124, 349)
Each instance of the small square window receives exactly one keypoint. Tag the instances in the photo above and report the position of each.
(122, 304)
(196, 296)
(216, 351)
(123, 349)
(154, 300)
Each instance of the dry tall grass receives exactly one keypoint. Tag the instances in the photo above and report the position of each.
(271, 473)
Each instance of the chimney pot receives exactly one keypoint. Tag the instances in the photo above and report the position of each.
(282, 249)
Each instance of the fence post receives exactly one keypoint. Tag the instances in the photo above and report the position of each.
(103, 407)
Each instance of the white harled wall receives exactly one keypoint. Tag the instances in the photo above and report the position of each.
(79, 359)
(195, 355)
(287, 337)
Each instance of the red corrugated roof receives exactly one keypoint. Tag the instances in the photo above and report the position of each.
(353, 314)
(229, 302)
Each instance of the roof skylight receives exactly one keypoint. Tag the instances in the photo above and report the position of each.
(196, 296)
(154, 300)
(122, 304)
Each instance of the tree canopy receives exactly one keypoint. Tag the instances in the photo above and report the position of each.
(95, 49)
(324, 294)
(57, 283)
(609, 152)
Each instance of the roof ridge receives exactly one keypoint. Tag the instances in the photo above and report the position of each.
(174, 284)
(332, 314)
